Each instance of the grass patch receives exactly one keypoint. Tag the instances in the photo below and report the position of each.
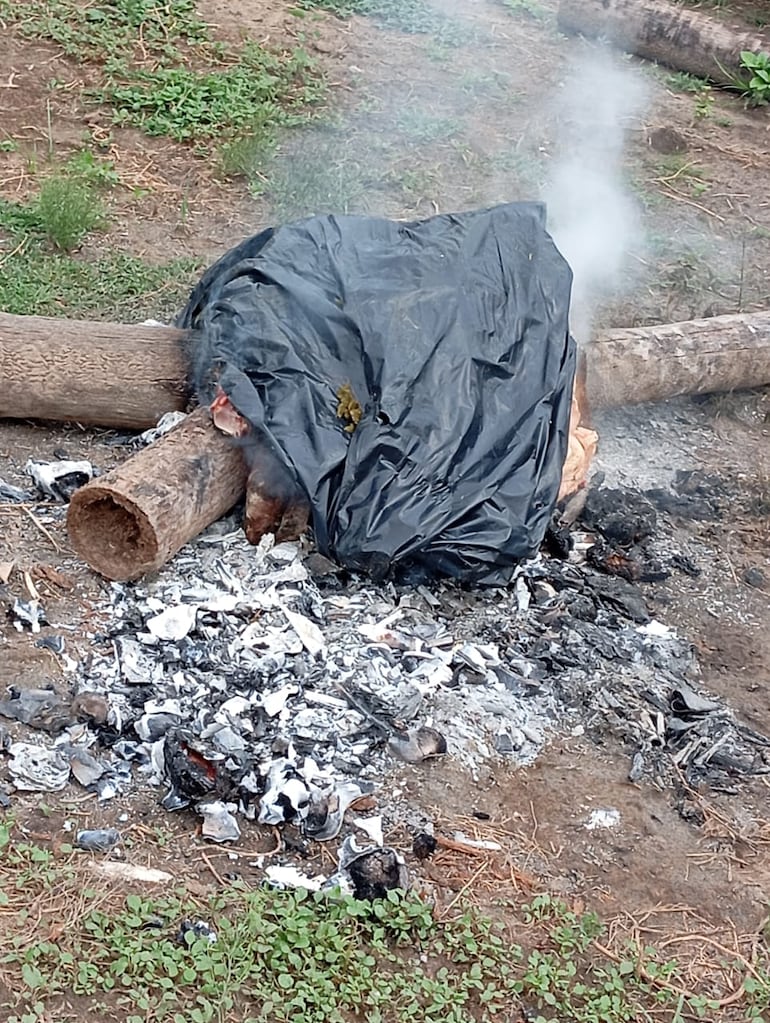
(189, 105)
(422, 126)
(35, 282)
(677, 171)
(319, 958)
(248, 153)
(163, 73)
(68, 206)
(92, 170)
(520, 166)
(38, 281)
(322, 176)
(110, 31)
(412, 16)
(418, 183)
(528, 8)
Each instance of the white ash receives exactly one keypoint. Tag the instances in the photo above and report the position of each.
(236, 681)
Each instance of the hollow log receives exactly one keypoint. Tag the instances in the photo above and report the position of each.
(679, 37)
(638, 364)
(105, 374)
(133, 519)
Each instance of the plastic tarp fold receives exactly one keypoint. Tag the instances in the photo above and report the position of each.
(451, 333)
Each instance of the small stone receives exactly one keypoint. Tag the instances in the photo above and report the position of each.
(754, 577)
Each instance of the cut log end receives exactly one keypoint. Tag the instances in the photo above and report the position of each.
(132, 520)
(113, 535)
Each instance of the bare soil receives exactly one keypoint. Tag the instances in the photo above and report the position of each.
(706, 251)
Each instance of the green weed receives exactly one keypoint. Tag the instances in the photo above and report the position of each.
(682, 81)
(484, 83)
(67, 210)
(92, 170)
(340, 8)
(419, 182)
(522, 166)
(34, 282)
(704, 105)
(38, 281)
(67, 207)
(248, 153)
(110, 30)
(184, 104)
(413, 16)
(756, 86)
(285, 956)
(676, 171)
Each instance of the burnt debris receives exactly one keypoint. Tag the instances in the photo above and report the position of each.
(244, 687)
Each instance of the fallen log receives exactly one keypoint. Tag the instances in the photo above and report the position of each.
(133, 519)
(638, 364)
(128, 375)
(105, 374)
(676, 36)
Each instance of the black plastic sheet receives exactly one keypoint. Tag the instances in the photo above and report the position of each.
(452, 335)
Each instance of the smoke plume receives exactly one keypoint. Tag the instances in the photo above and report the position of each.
(592, 218)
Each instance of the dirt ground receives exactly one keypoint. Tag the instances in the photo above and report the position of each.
(428, 128)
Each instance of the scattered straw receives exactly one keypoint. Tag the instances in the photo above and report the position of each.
(698, 971)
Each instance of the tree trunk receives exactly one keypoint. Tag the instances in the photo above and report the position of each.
(679, 37)
(106, 374)
(637, 364)
(132, 520)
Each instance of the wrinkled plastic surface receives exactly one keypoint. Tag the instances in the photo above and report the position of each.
(452, 334)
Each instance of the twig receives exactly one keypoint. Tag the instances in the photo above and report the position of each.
(213, 870)
(13, 252)
(31, 588)
(42, 528)
(533, 836)
(743, 267)
(463, 847)
(464, 889)
(677, 938)
(690, 202)
(732, 570)
(672, 177)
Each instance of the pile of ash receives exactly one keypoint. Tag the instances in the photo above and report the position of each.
(268, 684)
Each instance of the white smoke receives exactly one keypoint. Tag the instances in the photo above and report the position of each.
(592, 218)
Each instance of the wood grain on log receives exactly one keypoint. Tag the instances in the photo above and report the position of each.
(679, 37)
(133, 373)
(133, 519)
(106, 374)
(638, 364)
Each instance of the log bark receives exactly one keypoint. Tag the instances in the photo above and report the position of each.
(78, 382)
(679, 37)
(638, 364)
(133, 519)
(106, 374)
